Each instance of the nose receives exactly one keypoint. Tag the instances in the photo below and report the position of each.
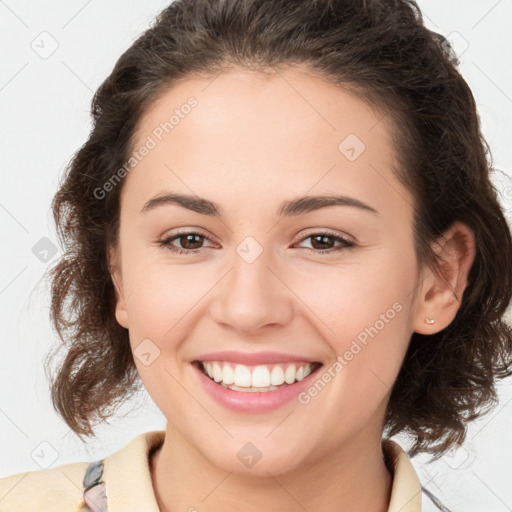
(253, 296)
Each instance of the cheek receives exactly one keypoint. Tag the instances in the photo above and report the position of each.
(371, 291)
(162, 305)
(365, 316)
(160, 295)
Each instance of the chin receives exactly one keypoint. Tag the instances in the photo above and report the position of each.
(258, 458)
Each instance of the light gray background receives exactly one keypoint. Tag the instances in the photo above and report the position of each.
(44, 102)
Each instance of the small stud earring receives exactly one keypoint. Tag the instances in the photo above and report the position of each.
(429, 320)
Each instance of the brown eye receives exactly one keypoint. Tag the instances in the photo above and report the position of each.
(189, 242)
(324, 242)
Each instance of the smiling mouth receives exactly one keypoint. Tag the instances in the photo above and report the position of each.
(258, 378)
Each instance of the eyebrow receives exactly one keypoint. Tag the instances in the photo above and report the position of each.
(293, 207)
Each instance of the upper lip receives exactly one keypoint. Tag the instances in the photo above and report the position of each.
(254, 358)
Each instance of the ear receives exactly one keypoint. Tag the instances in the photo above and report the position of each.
(117, 279)
(440, 292)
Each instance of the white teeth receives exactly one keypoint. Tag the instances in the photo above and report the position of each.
(260, 377)
(228, 375)
(217, 372)
(289, 374)
(208, 368)
(256, 378)
(277, 376)
(242, 376)
(251, 389)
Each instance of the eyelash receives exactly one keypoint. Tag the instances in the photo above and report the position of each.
(346, 244)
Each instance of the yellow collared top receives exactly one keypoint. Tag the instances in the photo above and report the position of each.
(123, 479)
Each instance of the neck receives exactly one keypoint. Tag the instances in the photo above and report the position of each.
(351, 478)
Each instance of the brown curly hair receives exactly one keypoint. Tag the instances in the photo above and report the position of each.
(379, 49)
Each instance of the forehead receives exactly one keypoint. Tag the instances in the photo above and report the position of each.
(273, 100)
(252, 131)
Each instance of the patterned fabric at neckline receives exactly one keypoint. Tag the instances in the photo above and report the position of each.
(95, 496)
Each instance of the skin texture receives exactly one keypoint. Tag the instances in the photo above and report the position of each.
(252, 142)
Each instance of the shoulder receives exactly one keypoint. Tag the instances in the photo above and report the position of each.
(54, 489)
(125, 472)
(406, 487)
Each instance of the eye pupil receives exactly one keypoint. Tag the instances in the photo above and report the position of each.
(323, 239)
(189, 238)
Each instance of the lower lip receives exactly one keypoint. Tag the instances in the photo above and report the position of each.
(245, 401)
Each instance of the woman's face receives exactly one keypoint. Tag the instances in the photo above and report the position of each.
(254, 279)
